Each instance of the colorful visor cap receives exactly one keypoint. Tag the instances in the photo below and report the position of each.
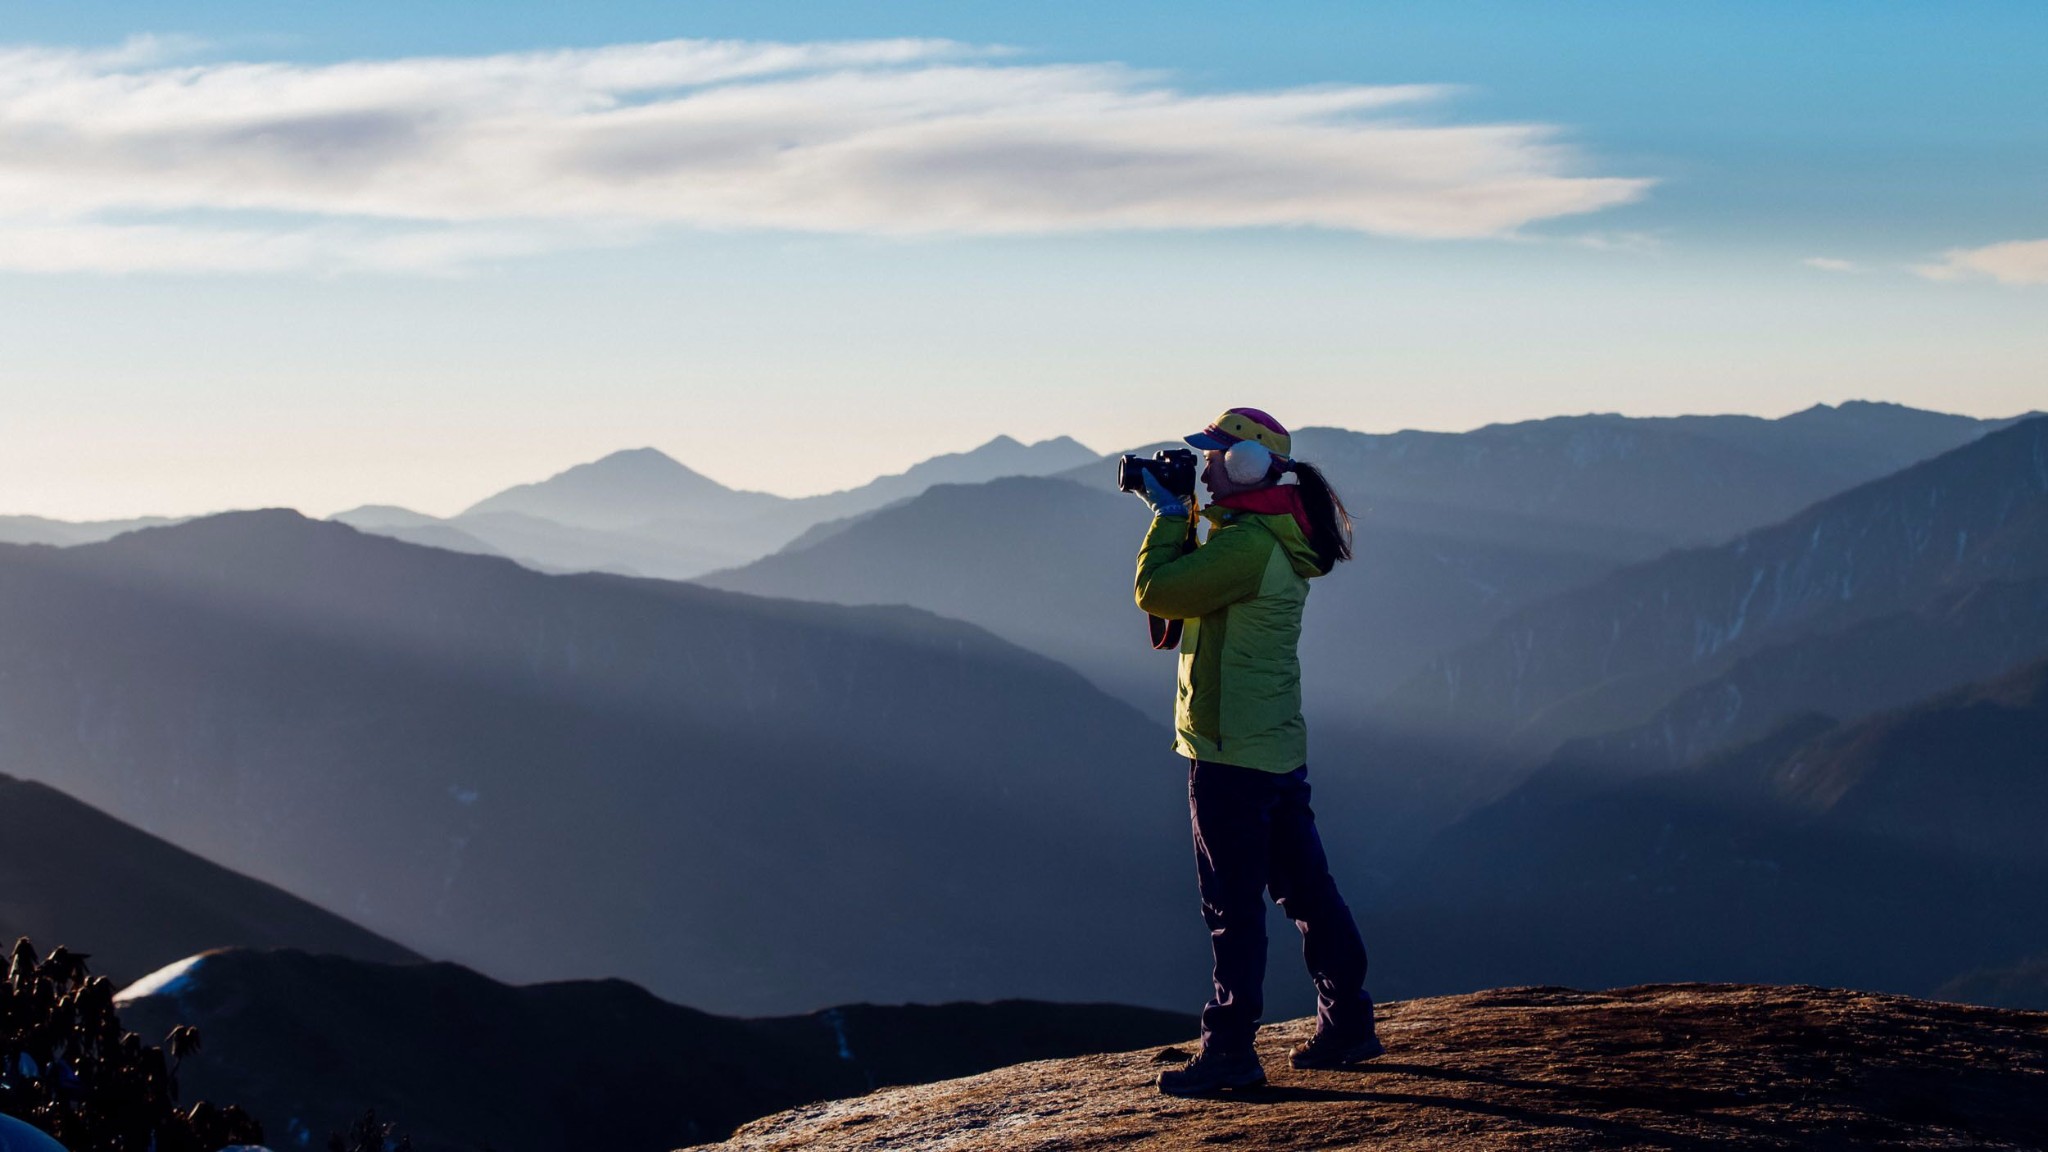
(1244, 424)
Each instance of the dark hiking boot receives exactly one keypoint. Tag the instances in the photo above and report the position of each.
(1213, 1071)
(1329, 1050)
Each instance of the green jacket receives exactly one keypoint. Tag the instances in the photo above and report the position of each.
(1241, 593)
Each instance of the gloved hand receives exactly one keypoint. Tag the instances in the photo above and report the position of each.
(1163, 503)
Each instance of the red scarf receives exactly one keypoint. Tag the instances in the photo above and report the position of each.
(1272, 500)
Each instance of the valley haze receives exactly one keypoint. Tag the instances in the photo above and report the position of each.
(511, 735)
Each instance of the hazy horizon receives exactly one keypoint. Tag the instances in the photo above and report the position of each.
(454, 504)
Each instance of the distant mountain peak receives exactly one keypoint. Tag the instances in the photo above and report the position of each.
(1004, 442)
(253, 518)
(1000, 456)
(383, 516)
(1064, 443)
(648, 454)
(377, 510)
(1865, 410)
(618, 490)
(644, 463)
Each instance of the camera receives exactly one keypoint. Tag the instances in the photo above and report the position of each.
(1175, 468)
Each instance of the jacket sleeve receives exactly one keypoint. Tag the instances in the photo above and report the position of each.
(1181, 586)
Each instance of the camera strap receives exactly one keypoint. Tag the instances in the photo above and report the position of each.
(1165, 633)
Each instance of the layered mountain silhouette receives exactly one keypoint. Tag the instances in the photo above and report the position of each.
(1589, 489)
(1455, 532)
(549, 546)
(595, 517)
(744, 804)
(1626, 487)
(306, 1042)
(624, 490)
(762, 805)
(1681, 481)
(1964, 775)
(1048, 564)
(1609, 655)
(1000, 457)
(74, 875)
(63, 533)
(1515, 514)
(1891, 853)
(1043, 563)
(643, 513)
(1688, 1067)
(1973, 633)
(644, 487)
(417, 528)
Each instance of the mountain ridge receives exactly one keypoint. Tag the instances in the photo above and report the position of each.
(1890, 853)
(642, 512)
(461, 1061)
(1634, 638)
(646, 772)
(64, 533)
(1888, 661)
(74, 875)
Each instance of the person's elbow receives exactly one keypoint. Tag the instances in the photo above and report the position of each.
(1154, 602)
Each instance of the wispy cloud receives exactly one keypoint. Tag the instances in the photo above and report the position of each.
(2013, 262)
(427, 163)
(1634, 243)
(1832, 264)
(343, 246)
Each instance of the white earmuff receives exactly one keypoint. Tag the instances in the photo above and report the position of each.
(1247, 462)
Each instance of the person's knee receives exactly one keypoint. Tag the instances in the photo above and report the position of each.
(1235, 912)
(1313, 902)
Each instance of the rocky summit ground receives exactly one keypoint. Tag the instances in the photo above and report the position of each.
(1660, 1067)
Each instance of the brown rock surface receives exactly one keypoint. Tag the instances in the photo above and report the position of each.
(1666, 1066)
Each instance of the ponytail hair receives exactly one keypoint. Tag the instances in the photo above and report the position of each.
(1329, 522)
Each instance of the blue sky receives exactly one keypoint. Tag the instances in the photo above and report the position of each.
(1727, 207)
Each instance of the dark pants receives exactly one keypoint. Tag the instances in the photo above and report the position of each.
(1254, 833)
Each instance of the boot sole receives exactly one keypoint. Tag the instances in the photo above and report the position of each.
(1358, 1055)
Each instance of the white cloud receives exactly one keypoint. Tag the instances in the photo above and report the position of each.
(1831, 264)
(413, 164)
(2013, 262)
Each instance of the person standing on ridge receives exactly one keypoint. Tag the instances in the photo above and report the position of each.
(1275, 525)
